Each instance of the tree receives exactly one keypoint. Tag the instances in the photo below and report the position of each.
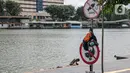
(51, 10)
(12, 8)
(109, 7)
(80, 14)
(60, 13)
(125, 2)
(1, 7)
(67, 12)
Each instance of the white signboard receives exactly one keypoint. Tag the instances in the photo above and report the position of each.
(119, 9)
(91, 55)
(91, 9)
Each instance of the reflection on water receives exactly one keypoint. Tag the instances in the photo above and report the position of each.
(27, 50)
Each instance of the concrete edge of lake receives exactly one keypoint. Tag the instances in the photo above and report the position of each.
(119, 66)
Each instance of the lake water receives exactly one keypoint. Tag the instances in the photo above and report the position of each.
(29, 50)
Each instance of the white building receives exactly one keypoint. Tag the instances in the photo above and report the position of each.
(35, 8)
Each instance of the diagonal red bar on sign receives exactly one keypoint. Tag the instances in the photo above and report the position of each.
(91, 54)
(92, 8)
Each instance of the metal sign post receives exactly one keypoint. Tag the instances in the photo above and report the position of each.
(91, 10)
(92, 23)
(102, 53)
(91, 66)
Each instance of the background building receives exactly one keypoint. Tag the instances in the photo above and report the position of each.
(35, 8)
(52, 2)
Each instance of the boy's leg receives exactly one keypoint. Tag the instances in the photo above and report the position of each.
(85, 45)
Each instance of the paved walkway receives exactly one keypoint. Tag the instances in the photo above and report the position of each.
(119, 66)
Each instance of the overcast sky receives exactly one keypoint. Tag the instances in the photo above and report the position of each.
(75, 3)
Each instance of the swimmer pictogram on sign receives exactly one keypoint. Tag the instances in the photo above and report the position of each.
(91, 9)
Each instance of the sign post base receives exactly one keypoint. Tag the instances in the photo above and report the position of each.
(89, 72)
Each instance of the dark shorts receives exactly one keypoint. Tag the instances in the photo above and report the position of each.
(85, 45)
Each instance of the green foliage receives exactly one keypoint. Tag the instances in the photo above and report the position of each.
(60, 13)
(12, 8)
(1, 7)
(80, 14)
(100, 2)
(125, 2)
(110, 7)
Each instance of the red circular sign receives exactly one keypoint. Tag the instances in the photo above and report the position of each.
(94, 57)
(91, 9)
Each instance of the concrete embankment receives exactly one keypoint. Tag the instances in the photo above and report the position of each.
(119, 66)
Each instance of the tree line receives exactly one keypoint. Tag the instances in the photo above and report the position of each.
(9, 8)
(68, 12)
(65, 12)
